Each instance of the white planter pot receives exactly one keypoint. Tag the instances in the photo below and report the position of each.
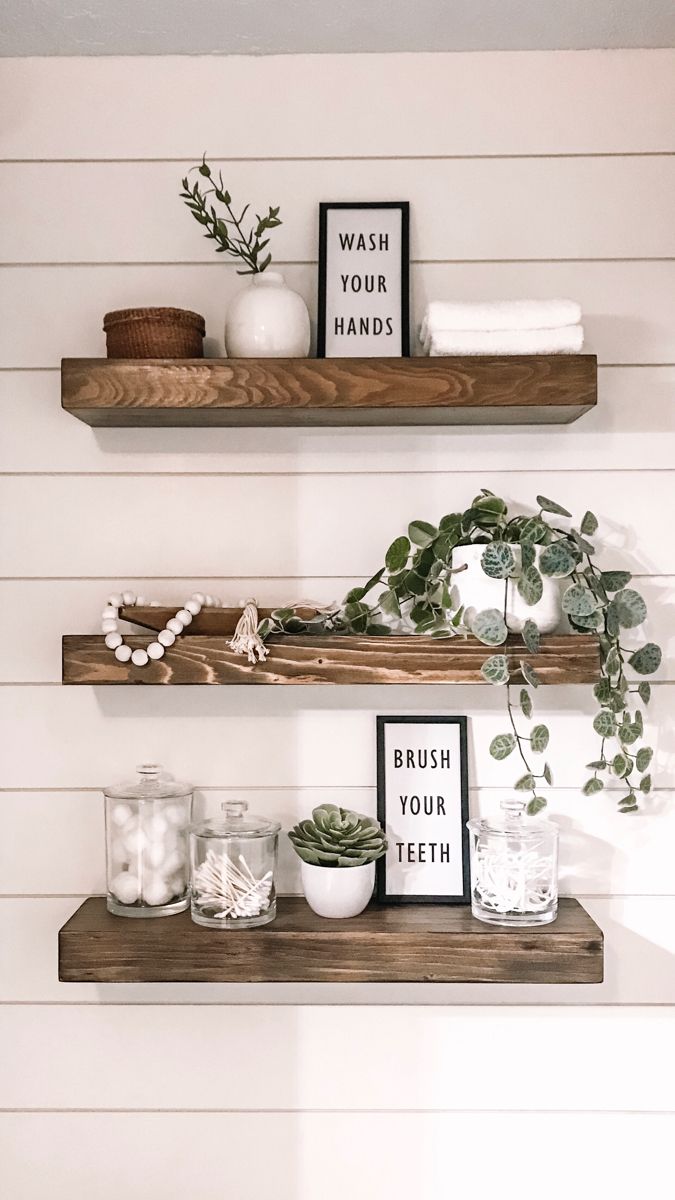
(477, 591)
(338, 891)
(267, 320)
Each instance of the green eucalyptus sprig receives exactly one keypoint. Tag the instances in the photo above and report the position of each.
(227, 230)
(418, 590)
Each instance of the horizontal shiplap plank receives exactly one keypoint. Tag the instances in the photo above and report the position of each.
(524, 208)
(57, 312)
(84, 736)
(602, 851)
(108, 1155)
(285, 1057)
(297, 524)
(394, 104)
(43, 610)
(632, 426)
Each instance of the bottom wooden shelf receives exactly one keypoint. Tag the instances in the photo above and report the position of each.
(386, 944)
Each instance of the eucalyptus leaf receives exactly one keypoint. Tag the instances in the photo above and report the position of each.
(502, 745)
(647, 659)
(495, 669)
(489, 627)
(539, 738)
(525, 703)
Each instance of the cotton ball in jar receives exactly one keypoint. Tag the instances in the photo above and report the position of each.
(120, 814)
(155, 827)
(176, 815)
(153, 854)
(177, 885)
(125, 887)
(135, 841)
(173, 862)
(156, 891)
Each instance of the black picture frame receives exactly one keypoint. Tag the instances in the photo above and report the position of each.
(324, 208)
(382, 895)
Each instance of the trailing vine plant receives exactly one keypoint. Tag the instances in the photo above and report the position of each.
(417, 590)
(227, 229)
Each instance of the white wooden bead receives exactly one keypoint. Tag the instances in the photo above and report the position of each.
(155, 650)
(139, 658)
(193, 606)
(141, 601)
(208, 601)
(154, 603)
(174, 626)
(184, 616)
(116, 600)
(108, 626)
(217, 602)
(109, 613)
(125, 887)
(166, 637)
(129, 598)
(199, 598)
(123, 653)
(113, 640)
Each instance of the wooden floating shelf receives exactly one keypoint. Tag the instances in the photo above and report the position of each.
(329, 659)
(398, 944)
(508, 390)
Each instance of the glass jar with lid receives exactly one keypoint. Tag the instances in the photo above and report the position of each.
(514, 868)
(147, 824)
(234, 860)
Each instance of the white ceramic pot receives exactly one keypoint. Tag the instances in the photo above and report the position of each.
(267, 320)
(477, 591)
(338, 891)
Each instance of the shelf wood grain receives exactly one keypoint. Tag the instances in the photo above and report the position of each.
(330, 659)
(397, 944)
(528, 389)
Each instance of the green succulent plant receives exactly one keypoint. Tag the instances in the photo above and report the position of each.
(337, 837)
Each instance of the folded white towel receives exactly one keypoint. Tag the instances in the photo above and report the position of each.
(567, 340)
(498, 314)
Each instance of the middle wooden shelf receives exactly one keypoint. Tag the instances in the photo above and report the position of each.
(206, 658)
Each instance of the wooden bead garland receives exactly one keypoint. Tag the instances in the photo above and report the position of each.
(165, 638)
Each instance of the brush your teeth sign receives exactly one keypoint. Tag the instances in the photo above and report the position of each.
(363, 280)
(422, 796)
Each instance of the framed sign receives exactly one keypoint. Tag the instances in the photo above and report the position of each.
(423, 806)
(363, 280)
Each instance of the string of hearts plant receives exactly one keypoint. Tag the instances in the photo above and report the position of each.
(418, 592)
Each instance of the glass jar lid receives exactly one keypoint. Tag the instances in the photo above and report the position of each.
(513, 822)
(149, 784)
(236, 821)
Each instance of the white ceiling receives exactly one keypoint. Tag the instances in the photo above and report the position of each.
(328, 26)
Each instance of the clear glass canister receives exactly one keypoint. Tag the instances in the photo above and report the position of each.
(234, 861)
(147, 824)
(514, 868)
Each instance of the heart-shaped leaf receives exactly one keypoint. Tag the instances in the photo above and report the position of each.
(530, 636)
(535, 806)
(526, 783)
(630, 608)
(557, 560)
(530, 585)
(529, 674)
(646, 784)
(643, 758)
(589, 523)
(502, 745)
(548, 774)
(497, 560)
(602, 691)
(592, 786)
(525, 703)
(647, 659)
(578, 601)
(539, 738)
(621, 765)
(489, 627)
(644, 692)
(615, 580)
(495, 669)
(550, 506)
(604, 724)
(528, 555)
(422, 533)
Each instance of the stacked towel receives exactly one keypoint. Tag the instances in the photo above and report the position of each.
(502, 327)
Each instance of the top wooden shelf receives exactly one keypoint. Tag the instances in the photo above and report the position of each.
(529, 389)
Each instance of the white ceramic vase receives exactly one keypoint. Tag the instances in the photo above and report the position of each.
(477, 591)
(338, 891)
(267, 320)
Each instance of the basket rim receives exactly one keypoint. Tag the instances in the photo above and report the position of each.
(170, 316)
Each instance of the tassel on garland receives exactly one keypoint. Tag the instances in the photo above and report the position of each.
(246, 639)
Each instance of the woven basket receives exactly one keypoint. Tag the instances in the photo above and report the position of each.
(154, 333)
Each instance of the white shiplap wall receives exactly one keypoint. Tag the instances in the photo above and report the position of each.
(529, 174)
